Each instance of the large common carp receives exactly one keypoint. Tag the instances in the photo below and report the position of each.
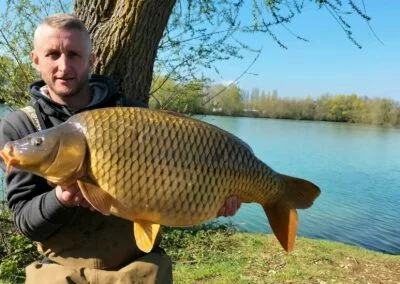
(155, 167)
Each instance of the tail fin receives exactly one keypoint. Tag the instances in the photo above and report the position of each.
(282, 215)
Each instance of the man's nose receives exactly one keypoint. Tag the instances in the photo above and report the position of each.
(63, 63)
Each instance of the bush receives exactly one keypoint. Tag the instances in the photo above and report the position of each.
(16, 251)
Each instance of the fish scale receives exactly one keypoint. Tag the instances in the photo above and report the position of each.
(149, 146)
(155, 167)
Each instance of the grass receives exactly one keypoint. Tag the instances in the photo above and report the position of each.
(221, 255)
(225, 257)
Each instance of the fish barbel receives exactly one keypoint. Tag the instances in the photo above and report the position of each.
(154, 167)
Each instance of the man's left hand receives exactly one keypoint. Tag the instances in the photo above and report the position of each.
(230, 207)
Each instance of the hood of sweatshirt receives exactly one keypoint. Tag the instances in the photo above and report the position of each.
(102, 88)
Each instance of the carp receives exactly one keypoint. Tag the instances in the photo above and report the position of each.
(155, 167)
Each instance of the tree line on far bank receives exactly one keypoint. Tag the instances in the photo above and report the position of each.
(201, 97)
(197, 97)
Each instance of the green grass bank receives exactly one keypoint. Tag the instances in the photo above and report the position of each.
(222, 255)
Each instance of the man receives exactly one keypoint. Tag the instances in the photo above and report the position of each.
(78, 244)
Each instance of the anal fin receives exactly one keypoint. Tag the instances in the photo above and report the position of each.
(97, 197)
(145, 235)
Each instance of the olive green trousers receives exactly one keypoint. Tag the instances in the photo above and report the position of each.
(155, 267)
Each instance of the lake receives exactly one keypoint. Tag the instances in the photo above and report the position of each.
(357, 168)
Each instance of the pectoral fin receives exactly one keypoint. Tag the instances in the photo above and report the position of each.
(145, 235)
(97, 197)
(118, 211)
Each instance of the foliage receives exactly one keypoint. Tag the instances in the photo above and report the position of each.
(339, 108)
(13, 76)
(224, 99)
(20, 252)
(185, 97)
(16, 251)
(200, 97)
(196, 97)
(199, 33)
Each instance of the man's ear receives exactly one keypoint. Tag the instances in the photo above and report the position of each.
(92, 60)
(35, 60)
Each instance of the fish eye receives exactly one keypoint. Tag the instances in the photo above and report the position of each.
(37, 141)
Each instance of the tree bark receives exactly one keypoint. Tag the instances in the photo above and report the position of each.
(125, 36)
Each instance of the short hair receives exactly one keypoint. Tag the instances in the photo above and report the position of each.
(66, 22)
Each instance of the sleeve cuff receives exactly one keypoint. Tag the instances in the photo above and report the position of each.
(54, 211)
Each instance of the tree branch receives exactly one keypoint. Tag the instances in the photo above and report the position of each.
(236, 79)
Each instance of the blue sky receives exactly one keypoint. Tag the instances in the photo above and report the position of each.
(329, 62)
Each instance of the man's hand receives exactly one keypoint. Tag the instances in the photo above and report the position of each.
(231, 206)
(71, 196)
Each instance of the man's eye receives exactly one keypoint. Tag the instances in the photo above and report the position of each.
(53, 55)
(73, 55)
(37, 141)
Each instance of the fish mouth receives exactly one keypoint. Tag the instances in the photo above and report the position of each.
(7, 154)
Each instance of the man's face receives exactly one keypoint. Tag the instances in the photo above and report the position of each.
(63, 59)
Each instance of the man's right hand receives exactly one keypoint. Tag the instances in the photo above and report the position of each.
(71, 196)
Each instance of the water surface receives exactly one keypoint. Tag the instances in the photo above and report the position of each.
(357, 168)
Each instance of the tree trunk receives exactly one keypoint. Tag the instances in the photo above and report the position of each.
(125, 36)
